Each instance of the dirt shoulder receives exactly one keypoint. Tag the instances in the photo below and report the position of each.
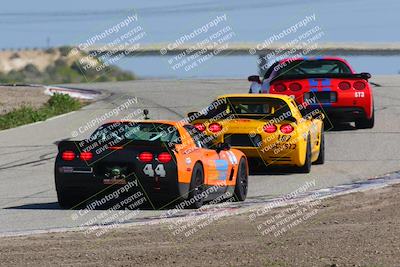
(360, 229)
(15, 97)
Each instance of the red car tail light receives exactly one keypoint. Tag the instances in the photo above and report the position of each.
(68, 155)
(269, 128)
(164, 157)
(200, 126)
(344, 85)
(280, 87)
(215, 127)
(286, 128)
(295, 87)
(86, 156)
(359, 85)
(145, 156)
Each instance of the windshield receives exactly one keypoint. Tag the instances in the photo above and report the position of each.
(314, 67)
(256, 106)
(134, 131)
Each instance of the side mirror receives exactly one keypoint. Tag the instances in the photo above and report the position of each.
(254, 78)
(366, 75)
(222, 146)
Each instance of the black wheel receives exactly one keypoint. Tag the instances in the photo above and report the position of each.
(306, 168)
(242, 181)
(197, 187)
(366, 123)
(321, 155)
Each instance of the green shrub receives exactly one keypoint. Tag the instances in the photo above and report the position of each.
(56, 105)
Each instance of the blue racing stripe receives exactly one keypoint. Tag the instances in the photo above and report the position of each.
(222, 168)
(313, 83)
(326, 82)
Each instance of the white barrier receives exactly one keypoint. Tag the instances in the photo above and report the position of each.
(75, 93)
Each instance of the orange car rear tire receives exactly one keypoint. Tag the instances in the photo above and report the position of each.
(197, 186)
(242, 179)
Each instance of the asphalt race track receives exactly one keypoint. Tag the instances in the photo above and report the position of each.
(28, 198)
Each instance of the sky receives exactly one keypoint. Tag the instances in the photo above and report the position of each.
(29, 24)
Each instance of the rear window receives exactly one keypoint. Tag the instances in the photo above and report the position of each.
(256, 106)
(133, 131)
(301, 67)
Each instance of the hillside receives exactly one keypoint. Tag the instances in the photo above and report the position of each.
(55, 65)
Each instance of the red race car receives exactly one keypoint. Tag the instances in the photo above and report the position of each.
(327, 83)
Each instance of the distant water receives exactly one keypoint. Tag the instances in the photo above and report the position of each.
(54, 23)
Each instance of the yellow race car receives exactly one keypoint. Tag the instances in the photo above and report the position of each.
(269, 127)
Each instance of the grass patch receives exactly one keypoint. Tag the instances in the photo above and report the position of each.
(56, 105)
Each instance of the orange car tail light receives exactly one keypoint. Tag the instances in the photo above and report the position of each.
(68, 155)
(145, 156)
(164, 157)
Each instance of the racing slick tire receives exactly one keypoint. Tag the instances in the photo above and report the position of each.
(66, 199)
(306, 168)
(321, 155)
(366, 123)
(242, 179)
(197, 187)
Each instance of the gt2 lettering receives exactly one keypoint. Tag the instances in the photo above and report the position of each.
(359, 94)
(159, 170)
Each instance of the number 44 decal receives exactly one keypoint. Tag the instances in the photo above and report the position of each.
(359, 94)
(159, 170)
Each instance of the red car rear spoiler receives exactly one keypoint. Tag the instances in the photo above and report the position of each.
(363, 75)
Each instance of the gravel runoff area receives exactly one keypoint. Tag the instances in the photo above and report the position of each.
(13, 97)
(359, 229)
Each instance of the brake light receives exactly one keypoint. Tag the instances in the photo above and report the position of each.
(286, 128)
(200, 126)
(215, 127)
(86, 156)
(359, 85)
(295, 87)
(68, 155)
(344, 85)
(269, 128)
(280, 87)
(164, 157)
(145, 156)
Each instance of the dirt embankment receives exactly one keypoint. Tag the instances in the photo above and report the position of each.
(360, 229)
(19, 96)
(41, 59)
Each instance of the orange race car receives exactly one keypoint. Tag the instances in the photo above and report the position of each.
(165, 160)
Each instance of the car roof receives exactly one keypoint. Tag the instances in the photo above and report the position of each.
(314, 58)
(169, 122)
